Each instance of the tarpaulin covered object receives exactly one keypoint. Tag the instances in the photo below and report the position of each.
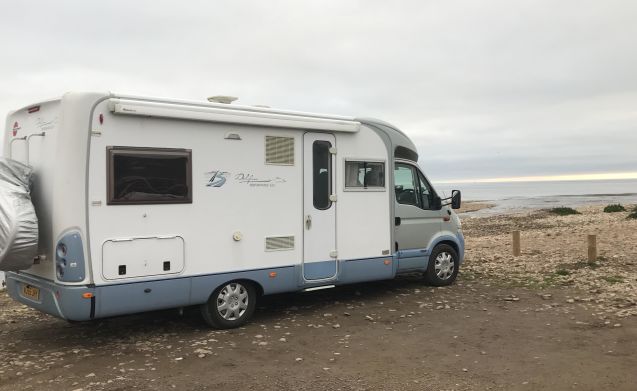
(18, 222)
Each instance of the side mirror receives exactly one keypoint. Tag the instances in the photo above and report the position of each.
(456, 199)
(436, 203)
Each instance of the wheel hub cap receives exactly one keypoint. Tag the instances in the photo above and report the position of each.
(232, 301)
(444, 265)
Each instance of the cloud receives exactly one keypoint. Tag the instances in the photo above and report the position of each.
(485, 89)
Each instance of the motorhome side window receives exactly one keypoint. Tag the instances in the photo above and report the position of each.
(322, 173)
(364, 175)
(149, 175)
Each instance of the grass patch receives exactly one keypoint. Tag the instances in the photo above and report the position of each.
(564, 211)
(562, 272)
(612, 208)
(632, 215)
(613, 279)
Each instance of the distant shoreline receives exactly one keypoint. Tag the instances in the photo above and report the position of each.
(512, 206)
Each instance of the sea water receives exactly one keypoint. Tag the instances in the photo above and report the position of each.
(510, 196)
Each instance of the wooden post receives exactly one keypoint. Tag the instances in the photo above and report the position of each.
(592, 248)
(516, 243)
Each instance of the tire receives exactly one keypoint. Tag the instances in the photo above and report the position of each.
(230, 305)
(443, 266)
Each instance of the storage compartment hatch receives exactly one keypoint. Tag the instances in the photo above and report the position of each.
(142, 257)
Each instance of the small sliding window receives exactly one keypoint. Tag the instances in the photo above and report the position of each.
(364, 175)
(148, 175)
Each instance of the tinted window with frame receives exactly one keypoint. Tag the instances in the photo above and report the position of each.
(149, 175)
(322, 174)
(364, 174)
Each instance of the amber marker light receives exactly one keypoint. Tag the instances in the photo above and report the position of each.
(87, 295)
(272, 274)
(387, 261)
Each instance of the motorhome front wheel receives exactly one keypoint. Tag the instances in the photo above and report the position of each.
(443, 266)
(231, 305)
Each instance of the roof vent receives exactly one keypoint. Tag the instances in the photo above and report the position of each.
(222, 99)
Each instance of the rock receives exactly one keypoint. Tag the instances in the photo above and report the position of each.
(336, 325)
(298, 359)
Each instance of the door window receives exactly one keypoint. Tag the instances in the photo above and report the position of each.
(426, 193)
(405, 185)
(322, 174)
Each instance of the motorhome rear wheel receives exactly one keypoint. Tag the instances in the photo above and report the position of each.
(231, 305)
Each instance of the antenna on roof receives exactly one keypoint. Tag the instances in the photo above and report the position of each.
(222, 99)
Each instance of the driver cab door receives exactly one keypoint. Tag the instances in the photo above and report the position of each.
(418, 219)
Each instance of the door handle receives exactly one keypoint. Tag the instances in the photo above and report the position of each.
(308, 221)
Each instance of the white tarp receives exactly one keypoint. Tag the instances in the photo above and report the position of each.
(18, 222)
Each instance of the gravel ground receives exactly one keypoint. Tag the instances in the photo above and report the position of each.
(508, 323)
(554, 253)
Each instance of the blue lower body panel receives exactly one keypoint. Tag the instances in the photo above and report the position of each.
(319, 270)
(413, 260)
(460, 237)
(68, 302)
(142, 296)
(63, 301)
(370, 269)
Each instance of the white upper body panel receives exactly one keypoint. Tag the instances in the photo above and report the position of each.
(71, 187)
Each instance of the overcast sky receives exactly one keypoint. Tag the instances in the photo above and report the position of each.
(485, 88)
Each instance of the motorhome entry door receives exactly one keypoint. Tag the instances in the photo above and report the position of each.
(319, 207)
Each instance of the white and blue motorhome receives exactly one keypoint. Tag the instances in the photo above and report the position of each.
(149, 203)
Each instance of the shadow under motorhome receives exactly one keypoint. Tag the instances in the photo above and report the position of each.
(148, 203)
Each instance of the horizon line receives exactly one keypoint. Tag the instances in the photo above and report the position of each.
(548, 178)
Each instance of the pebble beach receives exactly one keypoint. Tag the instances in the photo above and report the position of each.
(554, 253)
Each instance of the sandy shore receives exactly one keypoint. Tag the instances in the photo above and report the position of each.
(554, 253)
